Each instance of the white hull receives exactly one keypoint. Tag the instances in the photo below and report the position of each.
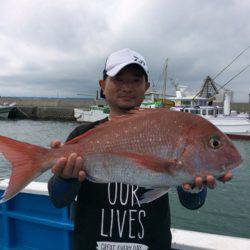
(89, 116)
(232, 125)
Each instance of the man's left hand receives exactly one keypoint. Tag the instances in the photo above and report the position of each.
(210, 181)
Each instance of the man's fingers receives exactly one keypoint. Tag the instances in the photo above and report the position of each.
(198, 182)
(68, 169)
(227, 177)
(71, 167)
(55, 144)
(210, 181)
(186, 186)
(82, 175)
(58, 167)
(78, 166)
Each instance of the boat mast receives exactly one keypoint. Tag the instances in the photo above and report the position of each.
(249, 104)
(211, 81)
(164, 90)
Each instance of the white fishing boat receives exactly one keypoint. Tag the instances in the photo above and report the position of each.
(95, 113)
(156, 99)
(227, 120)
(201, 103)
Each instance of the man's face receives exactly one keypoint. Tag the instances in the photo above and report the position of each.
(125, 90)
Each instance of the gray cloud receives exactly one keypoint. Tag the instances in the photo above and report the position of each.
(62, 46)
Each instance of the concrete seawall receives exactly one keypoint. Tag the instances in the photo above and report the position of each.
(47, 108)
(43, 113)
(241, 107)
(50, 102)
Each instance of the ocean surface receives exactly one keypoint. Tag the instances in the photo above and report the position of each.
(227, 208)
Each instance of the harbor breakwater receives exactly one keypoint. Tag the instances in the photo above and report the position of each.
(63, 108)
(47, 108)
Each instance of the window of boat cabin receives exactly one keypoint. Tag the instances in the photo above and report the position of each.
(194, 111)
(210, 112)
(185, 103)
(204, 112)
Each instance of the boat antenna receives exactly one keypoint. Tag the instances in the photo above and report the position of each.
(164, 90)
(220, 72)
(174, 83)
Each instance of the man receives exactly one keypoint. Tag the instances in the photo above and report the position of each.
(110, 216)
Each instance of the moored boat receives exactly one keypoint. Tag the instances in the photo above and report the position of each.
(95, 113)
(224, 118)
(5, 109)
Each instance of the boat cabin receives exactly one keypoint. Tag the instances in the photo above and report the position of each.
(203, 110)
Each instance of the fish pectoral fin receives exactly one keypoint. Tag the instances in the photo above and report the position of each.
(94, 179)
(153, 194)
(152, 162)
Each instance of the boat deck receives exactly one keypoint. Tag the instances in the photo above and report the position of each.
(29, 221)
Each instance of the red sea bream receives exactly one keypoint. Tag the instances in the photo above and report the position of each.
(155, 149)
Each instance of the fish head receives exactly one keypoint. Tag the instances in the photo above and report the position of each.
(208, 150)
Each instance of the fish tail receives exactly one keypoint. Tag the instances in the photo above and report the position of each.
(26, 160)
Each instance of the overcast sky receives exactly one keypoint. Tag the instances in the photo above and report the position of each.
(58, 48)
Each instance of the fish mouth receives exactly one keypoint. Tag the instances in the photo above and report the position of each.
(235, 164)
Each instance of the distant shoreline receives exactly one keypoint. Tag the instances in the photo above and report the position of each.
(73, 98)
(34, 97)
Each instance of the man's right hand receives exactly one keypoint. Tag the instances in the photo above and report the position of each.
(67, 168)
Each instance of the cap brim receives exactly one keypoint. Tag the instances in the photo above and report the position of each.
(118, 68)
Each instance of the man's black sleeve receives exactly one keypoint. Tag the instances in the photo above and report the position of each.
(192, 200)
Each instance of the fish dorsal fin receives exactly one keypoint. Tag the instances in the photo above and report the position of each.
(78, 138)
(136, 112)
(91, 131)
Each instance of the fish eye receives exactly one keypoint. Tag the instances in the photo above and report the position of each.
(215, 142)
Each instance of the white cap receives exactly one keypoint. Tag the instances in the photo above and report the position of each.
(121, 58)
